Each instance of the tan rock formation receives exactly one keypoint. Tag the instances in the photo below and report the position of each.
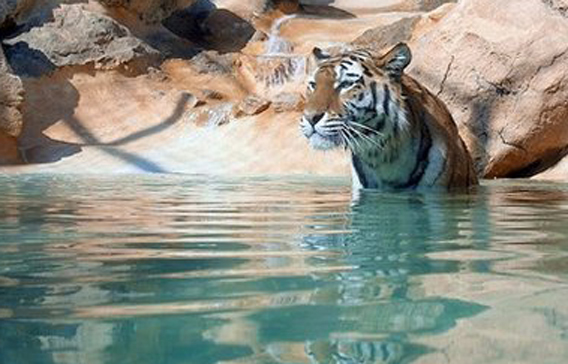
(11, 99)
(501, 69)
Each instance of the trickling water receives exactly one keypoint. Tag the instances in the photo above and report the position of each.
(276, 44)
(279, 65)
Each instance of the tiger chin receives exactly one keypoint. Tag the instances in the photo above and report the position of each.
(399, 134)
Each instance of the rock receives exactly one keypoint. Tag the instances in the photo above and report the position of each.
(213, 63)
(11, 99)
(388, 35)
(9, 154)
(252, 105)
(208, 94)
(558, 172)
(501, 69)
(150, 11)
(76, 36)
(285, 6)
(287, 102)
(10, 9)
(211, 28)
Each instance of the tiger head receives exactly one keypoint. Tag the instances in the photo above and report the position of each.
(355, 100)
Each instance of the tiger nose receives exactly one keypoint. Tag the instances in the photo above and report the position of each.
(313, 119)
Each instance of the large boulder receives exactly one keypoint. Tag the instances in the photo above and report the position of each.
(77, 36)
(11, 99)
(500, 66)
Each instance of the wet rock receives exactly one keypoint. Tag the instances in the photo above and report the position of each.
(252, 105)
(76, 36)
(150, 11)
(288, 102)
(503, 76)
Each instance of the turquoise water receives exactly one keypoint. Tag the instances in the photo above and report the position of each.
(173, 269)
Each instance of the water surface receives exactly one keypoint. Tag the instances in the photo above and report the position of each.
(174, 269)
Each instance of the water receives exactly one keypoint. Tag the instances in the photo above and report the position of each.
(279, 66)
(174, 269)
(276, 44)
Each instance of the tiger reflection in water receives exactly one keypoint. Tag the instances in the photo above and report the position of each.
(369, 313)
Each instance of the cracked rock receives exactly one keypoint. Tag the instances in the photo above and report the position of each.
(506, 85)
(76, 36)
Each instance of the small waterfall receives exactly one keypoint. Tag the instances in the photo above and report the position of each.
(276, 44)
(279, 66)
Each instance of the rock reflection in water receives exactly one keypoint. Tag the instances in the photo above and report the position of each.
(261, 271)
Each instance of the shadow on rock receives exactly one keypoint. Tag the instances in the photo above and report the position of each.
(28, 62)
(54, 100)
(210, 28)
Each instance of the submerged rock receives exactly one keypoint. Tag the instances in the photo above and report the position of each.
(501, 69)
(77, 36)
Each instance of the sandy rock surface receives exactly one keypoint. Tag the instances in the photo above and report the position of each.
(505, 80)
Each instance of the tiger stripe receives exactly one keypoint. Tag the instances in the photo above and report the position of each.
(399, 134)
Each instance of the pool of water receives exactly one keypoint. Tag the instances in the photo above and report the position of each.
(175, 269)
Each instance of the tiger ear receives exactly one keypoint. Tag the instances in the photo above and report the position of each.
(396, 60)
(320, 55)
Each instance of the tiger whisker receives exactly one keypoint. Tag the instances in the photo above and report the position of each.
(366, 138)
(346, 141)
(366, 128)
(352, 137)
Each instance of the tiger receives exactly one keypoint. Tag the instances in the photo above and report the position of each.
(400, 136)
